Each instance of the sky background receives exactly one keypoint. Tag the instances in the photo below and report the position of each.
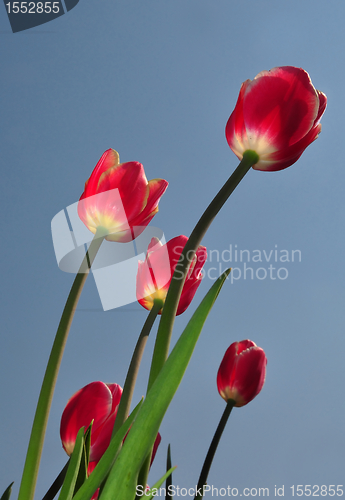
(157, 80)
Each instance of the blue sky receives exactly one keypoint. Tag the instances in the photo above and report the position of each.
(157, 81)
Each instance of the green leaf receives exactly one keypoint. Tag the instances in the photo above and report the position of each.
(68, 486)
(123, 476)
(104, 465)
(33, 455)
(152, 491)
(84, 461)
(87, 441)
(7, 493)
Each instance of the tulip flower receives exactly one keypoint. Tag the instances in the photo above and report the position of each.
(242, 372)
(97, 402)
(155, 273)
(240, 378)
(277, 115)
(118, 198)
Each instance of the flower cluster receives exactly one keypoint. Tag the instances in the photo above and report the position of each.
(277, 115)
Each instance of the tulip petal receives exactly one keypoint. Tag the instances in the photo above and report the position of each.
(284, 158)
(280, 105)
(242, 372)
(154, 275)
(93, 402)
(250, 375)
(102, 440)
(155, 447)
(116, 392)
(322, 106)
(129, 178)
(187, 296)
(155, 190)
(235, 130)
(277, 116)
(119, 198)
(109, 159)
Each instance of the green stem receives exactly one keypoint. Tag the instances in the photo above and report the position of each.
(212, 449)
(33, 456)
(164, 333)
(128, 389)
(144, 472)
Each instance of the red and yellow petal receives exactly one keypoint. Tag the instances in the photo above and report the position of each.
(119, 198)
(155, 190)
(235, 129)
(280, 105)
(129, 178)
(322, 106)
(116, 392)
(108, 160)
(285, 157)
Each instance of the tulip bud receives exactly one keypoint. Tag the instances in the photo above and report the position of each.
(242, 372)
(277, 115)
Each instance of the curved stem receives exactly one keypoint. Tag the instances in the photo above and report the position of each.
(144, 472)
(33, 456)
(128, 389)
(212, 449)
(166, 324)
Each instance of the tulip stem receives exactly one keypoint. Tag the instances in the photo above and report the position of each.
(212, 449)
(128, 388)
(161, 350)
(33, 456)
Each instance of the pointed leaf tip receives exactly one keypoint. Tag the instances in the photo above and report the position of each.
(7, 493)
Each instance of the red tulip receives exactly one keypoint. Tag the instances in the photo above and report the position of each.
(155, 273)
(119, 198)
(277, 115)
(98, 402)
(242, 372)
